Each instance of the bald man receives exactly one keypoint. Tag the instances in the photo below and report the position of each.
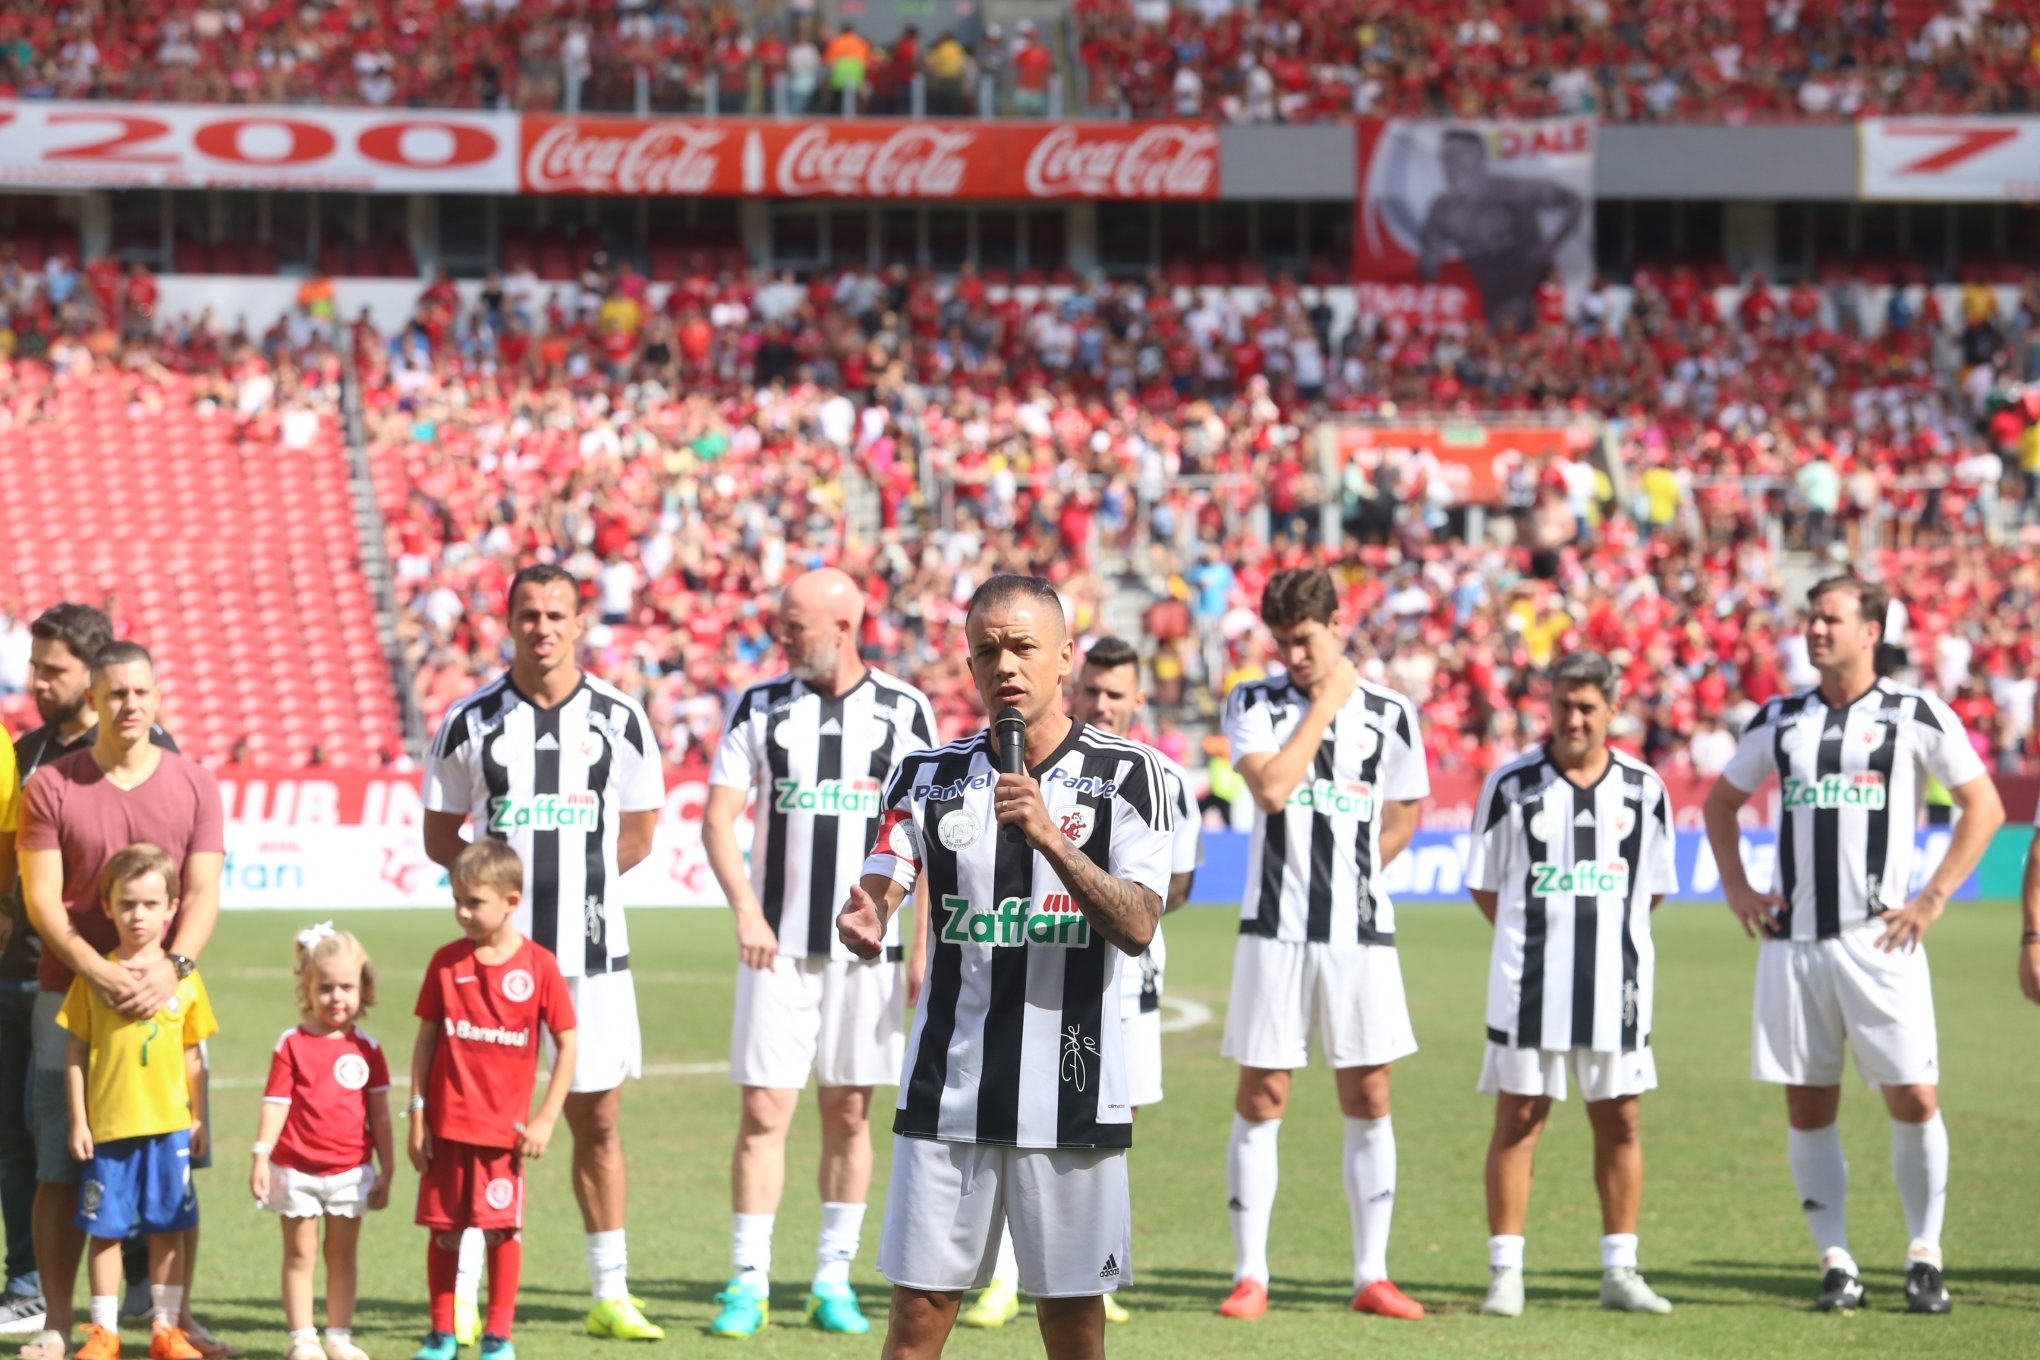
(815, 746)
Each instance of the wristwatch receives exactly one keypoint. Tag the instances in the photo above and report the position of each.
(184, 965)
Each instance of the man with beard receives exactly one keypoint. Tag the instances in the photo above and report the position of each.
(816, 745)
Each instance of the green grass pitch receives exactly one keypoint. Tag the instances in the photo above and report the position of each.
(1722, 1235)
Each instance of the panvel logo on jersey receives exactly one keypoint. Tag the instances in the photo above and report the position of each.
(1017, 921)
(1335, 798)
(827, 797)
(546, 812)
(1588, 878)
(1082, 784)
(1864, 790)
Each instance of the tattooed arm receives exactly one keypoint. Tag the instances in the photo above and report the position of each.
(1124, 912)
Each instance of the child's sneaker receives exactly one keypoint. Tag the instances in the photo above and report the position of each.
(339, 1349)
(497, 1348)
(170, 1343)
(101, 1343)
(306, 1350)
(438, 1346)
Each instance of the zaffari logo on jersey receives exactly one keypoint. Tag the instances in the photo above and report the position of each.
(545, 812)
(1589, 877)
(1335, 798)
(1017, 921)
(1865, 790)
(847, 797)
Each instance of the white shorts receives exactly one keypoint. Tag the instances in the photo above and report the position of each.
(611, 1049)
(1542, 1072)
(844, 1020)
(1351, 994)
(293, 1194)
(1068, 1209)
(1815, 995)
(1140, 1036)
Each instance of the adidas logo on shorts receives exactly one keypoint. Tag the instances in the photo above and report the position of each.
(1111, 1270)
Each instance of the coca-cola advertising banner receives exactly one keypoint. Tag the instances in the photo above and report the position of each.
(869, 159)
(1462, 221)
(172, 146)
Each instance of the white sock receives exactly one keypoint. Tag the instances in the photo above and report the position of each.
(1370, 1194)
(1919, 1163)
(836, 1248)
(1251, 1175)
(343, 1336)
(1618, 1251)
(751, 1248)
(1821, 1175)
(608, 1265)
(106, 1311)
(1505, 1252)
(467, 1272)
(306, 1336)
(169, 1302)
(1007, 1271)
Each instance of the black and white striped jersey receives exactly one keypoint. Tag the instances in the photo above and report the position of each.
(1850, 789)
(817, 766)
(553, 782)
(1140, 980)
(1574, 871)
(1314, 868)
(1017, 1040)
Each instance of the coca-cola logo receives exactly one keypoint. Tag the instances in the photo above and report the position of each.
(1164, 161)
(650, 159)
(913, 162)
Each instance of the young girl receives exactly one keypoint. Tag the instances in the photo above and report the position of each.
(326, 1104)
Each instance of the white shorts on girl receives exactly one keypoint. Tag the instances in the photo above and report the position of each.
(293, 1194)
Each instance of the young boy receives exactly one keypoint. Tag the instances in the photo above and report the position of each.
(479, 1014)
(137, 1110)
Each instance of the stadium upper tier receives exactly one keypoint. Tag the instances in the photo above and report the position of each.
(1283, 60)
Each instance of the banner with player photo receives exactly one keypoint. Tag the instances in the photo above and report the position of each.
(1462, 221)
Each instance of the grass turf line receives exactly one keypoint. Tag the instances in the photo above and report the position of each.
(1721, 1233)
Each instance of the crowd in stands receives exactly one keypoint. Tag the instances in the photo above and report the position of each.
(1288, 60)
(686, 446)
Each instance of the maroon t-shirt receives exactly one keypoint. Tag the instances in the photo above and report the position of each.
(72, 807)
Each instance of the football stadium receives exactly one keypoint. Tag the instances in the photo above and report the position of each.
(719, 576)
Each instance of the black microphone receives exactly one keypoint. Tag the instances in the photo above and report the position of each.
(1011, 730)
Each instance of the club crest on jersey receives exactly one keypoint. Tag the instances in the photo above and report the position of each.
(1873, 735)
(1830, 791)
(1368, 742)
(1587, 878)
(1335, 798)
(500, 1192)
(1539, 824)
(518, 985)
(547, 812)
(1017, 921)
(591, 747)
(845, 797)
(1625, 821)
(350, 1071)
(783, 737)
(959, 828)
(1077, 823)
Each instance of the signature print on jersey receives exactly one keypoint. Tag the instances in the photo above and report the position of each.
(1016, 921)
(1076, 1044)
(351, 1071)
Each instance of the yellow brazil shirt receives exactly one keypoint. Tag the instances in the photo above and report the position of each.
(134, 1085)
(10, 785)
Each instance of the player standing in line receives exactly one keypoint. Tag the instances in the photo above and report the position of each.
(2029, 935)
(564, 769)
(816, 746)
(484, 1002)
(1014, 1105)
(1108, 697)
(1842, 959)
(1570, 854)
(1336, 769)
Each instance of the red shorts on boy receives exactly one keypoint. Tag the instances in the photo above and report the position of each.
(465, 1186)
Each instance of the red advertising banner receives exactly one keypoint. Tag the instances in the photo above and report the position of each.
(1462, 221)
(869, 159)
(1474, 457)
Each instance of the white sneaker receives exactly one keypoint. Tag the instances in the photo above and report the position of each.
(305, 1350)
(1504, 1292)
(337, 1349)
(1623, 1291)
(21, 1314)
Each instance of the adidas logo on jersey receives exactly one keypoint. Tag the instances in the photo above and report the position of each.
(548, 742)
(1583, 818)
(831, 728)
(1016, 921)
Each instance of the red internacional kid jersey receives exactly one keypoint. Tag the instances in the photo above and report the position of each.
(326, 1081)
(489, 1018)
